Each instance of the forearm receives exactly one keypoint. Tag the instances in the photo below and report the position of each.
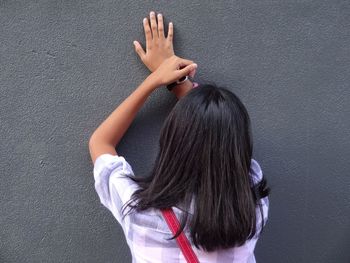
(112, 129)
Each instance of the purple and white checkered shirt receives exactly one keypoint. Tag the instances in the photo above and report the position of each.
(146, 232)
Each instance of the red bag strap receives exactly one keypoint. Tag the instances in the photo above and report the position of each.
(182, 240)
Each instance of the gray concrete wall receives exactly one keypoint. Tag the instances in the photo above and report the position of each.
(65, 65)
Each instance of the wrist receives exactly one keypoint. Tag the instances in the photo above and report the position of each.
(181, 90)
(178, 82)
(153, 81)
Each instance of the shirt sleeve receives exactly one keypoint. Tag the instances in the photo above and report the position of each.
(112, 186)
(257, 175)
(256, 171)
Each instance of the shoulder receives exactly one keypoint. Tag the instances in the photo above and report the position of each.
(255, 171)
(113, 170)
(257, 175)
(112, 182)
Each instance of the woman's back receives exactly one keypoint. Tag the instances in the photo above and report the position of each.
(146, 231)
(204, 162)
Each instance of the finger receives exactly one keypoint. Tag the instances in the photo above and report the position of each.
(184, 62)
(170, 32)
(139, 50)
(160, 26)
(154, 25)
(148, 34)
(192, 73)
(187, 70)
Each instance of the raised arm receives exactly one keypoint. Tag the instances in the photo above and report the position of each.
(166, 68)
(109, 133)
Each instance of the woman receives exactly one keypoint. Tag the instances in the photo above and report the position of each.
(203, 170)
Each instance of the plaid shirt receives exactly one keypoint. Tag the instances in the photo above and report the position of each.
(146, 231)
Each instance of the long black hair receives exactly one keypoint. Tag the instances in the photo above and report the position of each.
(205, 153)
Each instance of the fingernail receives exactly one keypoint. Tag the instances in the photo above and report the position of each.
(152, 13)
(194, 65)
(159, 15)
(193, 72)
(134, 42)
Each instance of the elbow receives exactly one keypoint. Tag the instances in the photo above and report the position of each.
(92, 141)
(93, 146)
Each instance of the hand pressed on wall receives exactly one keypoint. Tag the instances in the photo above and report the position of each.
(158, 47)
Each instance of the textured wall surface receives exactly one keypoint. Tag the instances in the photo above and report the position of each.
(65, 65)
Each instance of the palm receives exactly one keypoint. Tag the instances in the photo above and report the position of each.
(158, 47)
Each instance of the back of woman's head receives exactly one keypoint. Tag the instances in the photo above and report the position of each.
(205, 153)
